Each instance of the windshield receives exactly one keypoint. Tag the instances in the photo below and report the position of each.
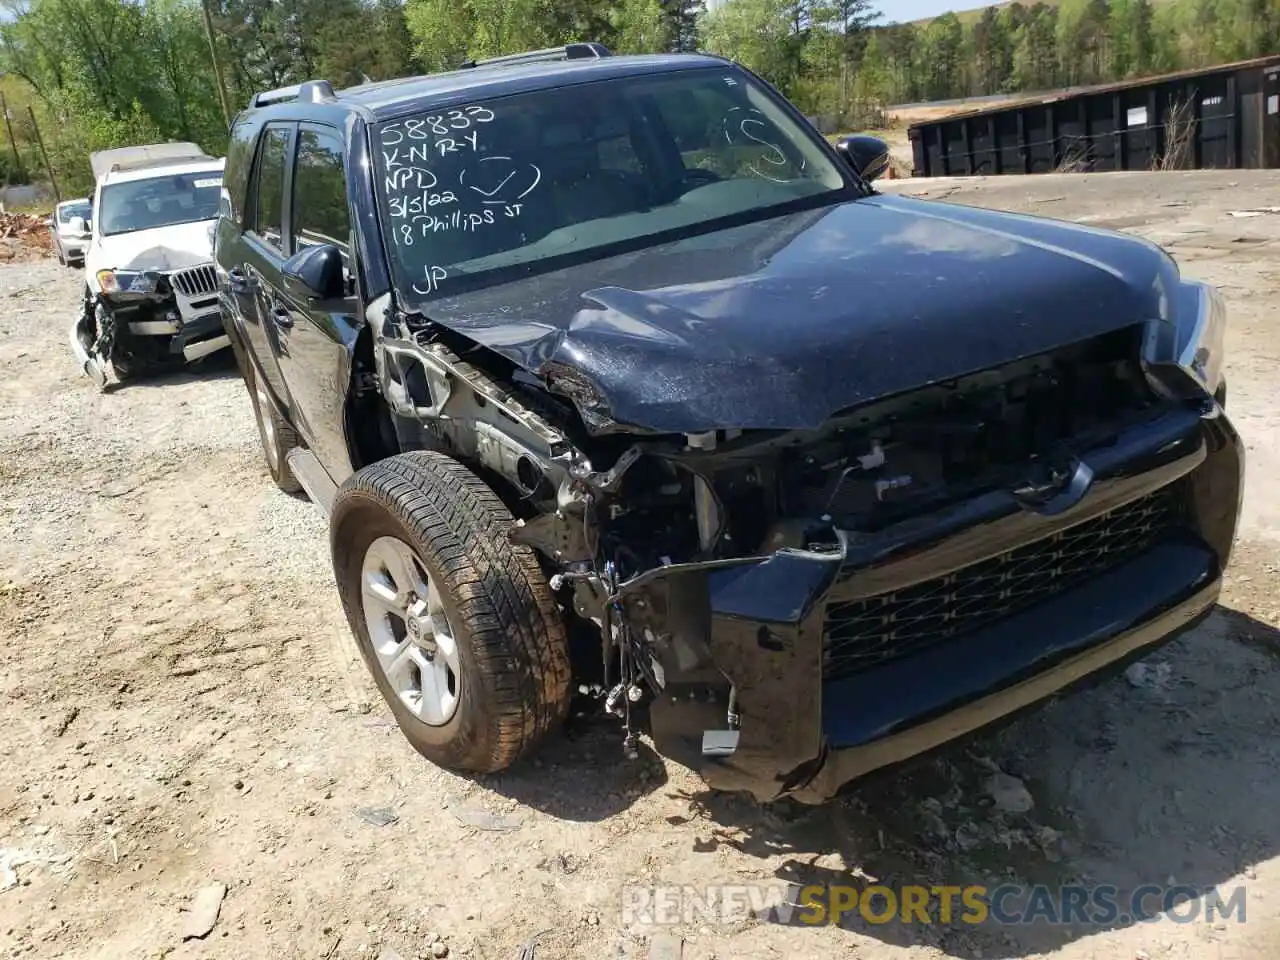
(159, 202)
(498, 185)
(80, 208)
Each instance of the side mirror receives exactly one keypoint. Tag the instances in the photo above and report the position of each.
(77, 225)
(315, 273)
(869, 156)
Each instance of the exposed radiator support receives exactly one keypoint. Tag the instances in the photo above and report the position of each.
(706, 510)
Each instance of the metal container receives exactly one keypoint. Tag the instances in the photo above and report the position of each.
(1219, 117)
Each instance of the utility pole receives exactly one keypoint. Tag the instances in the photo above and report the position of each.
(35, 127)
(13, 144)
(217, 70)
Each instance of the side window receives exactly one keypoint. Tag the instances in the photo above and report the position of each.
(268, 207)
(319, 191)
(235, 180)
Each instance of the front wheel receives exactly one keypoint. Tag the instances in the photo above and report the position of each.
(139, 357)
(457, 625)
(132, 357)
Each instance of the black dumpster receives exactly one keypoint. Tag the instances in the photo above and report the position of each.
(1219, 117)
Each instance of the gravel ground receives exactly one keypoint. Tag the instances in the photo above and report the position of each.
(183, 708)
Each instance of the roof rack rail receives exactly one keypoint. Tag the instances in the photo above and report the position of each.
(570, 51)
(312, 91)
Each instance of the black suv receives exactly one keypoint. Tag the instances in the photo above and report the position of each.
(615, 378)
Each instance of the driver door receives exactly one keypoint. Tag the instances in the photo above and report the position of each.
(316, 338)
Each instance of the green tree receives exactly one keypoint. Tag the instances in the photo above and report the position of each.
(683, 19)
(902, 48)
(1250, 28)
(640, 26)
(1132, 37)
(1035, 55)
(1013, 16)
(943, 50)
(992, 53)
(104, 73)
(184, 92)
(875, 75)
(756, 33)
(1083, 40)
(442, 31)
(395, 43)
(839, 38)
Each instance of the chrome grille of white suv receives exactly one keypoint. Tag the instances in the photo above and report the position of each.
(195, 281)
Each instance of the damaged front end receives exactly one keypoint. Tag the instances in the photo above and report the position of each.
(928, 564)
(785, 610)
(143, 321)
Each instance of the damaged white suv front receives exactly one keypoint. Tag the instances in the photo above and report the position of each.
(150, 294)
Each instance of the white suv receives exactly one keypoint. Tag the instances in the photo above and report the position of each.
(150, 296)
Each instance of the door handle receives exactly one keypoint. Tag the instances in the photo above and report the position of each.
(281, 315)
(239, 280)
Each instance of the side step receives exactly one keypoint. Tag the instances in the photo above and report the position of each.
(313, 478)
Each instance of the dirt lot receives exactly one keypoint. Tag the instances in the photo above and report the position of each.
(180, 705)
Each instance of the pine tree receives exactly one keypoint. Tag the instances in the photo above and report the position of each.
(1035, 58)
(993, 53)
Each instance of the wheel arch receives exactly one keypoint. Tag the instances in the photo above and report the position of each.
(368, 423)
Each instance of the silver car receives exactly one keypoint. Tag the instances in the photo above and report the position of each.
(70, 227)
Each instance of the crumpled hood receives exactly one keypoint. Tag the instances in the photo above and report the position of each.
(164, 248)
(783, 323)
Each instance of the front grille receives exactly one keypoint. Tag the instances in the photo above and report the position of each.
(896, 458)
(861, 634)
(195, 281)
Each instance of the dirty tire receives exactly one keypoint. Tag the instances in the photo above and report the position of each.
(277, 437)
(138, 357)
(511, 640)
(131, 366)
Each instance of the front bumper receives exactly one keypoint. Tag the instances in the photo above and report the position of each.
(192, 338)
(200, 337)
(762, 624)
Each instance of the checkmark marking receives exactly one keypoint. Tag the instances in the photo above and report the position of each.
(490, 193)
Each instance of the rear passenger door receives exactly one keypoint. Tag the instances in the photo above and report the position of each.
(316, 337)
(263, 249)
